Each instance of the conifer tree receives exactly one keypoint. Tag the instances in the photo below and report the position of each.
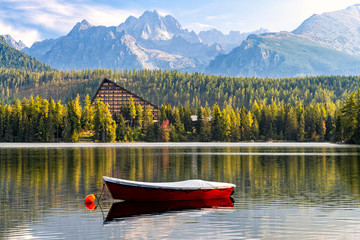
(216, 124)
(148, 124)
(51, 123)
(139, 116)
(199, 119)
(255, 129)
(2, 121)
(256, 111)
(104, 125)
(235, 123)
(8, 134)
(226, 124)
(301, 129)
(42, 131)
(338, 136)
(132, 111)
(87, 115)
(205, 131)
(121, 128)
(16, 121)
(179, 126)
(72, 121)
(59, 120)
(245, 124)
(291, 124)
(185, 117)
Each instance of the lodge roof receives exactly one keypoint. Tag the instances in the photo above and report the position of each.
(124, 89)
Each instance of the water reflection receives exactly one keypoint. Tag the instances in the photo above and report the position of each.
(37, 181)
(128, 209)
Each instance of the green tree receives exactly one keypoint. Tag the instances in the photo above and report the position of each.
(148, 124)
(59, 120)
(199, 119)
(43, 118)
(51, 122)
(139, 118)
(121, 128)
(245, 124)
(301, 129)
(72, 121)
(291, 124)
(235, 123)
(104, 125)
(87, 115)
(132, 111)
(16, 121)
(216, 124)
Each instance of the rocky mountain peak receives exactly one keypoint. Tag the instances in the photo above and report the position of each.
(151, 25)
(338, 30)
(83, 25)
(17, 45)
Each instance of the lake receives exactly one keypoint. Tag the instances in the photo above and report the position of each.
(284, 190)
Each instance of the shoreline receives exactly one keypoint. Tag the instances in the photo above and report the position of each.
(177, 144)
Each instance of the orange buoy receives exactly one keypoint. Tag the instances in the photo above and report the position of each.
(90, 205)
(90, 198)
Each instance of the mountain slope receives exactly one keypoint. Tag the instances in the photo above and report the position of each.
(102, 47)
(227, 41)
(12, 58)
(152, 26)
(151, 41)
(339, 30)
(17, 45)
(283, 55)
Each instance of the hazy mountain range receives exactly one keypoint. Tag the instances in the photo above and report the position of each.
(151, 41)
(323, 44)
(283, 55)
(328, 43)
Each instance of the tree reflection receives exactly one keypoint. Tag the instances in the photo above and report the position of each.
(33, 180)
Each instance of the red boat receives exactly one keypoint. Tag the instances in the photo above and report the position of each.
(128, 209)
(167, 191)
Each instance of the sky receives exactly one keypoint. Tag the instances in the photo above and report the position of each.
(36, 20)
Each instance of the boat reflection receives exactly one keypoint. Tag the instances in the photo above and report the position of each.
(128, 209)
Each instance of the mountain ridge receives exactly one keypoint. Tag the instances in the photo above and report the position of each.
(338, 30)
(274, 55)
(15, 59)
(153, 41)
(327, 43)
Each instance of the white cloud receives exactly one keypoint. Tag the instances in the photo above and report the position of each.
(28, 36)
(104, 15)
(220, 17)
(55, 16)
(198, 27)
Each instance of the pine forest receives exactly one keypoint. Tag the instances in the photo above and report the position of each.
(194, 107)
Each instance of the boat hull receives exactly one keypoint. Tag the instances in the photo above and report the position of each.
(134, 193)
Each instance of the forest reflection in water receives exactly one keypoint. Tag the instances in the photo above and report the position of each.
(34, 180)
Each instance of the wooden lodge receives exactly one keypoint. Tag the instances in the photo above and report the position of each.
(116, 96)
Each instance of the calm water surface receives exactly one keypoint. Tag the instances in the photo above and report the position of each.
(284, 191)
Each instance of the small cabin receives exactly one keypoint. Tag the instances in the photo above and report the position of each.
(116, 96)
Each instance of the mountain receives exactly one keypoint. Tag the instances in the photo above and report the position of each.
(12, 58)
(339, 30)
(102, 47)
(152, 26)
(327, 43)
(283, 55)
(227, 41)
(151, 41)
(17, 45)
